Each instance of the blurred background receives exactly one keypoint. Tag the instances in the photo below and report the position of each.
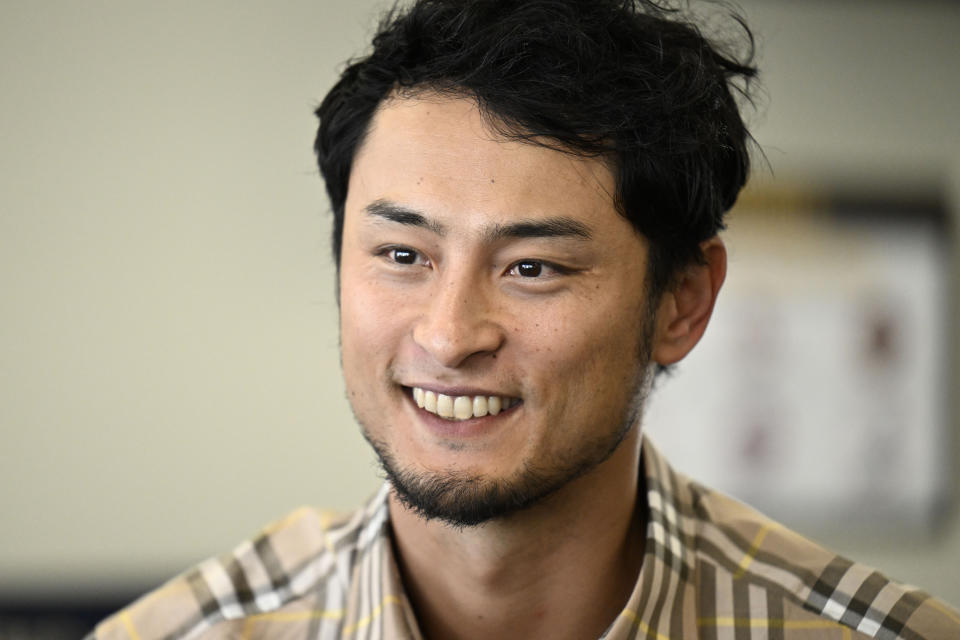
(169, 377)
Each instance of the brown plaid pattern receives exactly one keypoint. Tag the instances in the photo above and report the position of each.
(714, 569)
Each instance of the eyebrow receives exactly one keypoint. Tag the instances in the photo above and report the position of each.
(552, 227)
(555, 227)
(397, 213)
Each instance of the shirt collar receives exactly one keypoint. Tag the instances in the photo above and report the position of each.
(663, 585)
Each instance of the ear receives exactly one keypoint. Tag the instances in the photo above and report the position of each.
(684, 310)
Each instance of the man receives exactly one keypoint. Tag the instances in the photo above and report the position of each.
(526, 201)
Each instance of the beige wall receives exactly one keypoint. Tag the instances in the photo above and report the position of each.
(168, 350)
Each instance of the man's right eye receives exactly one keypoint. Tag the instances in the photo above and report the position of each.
(403, 255)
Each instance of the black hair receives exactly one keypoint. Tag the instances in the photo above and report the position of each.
(631, 81)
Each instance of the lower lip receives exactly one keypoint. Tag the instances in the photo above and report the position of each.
(471, 427)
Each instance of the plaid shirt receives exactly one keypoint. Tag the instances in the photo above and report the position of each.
(713, 569)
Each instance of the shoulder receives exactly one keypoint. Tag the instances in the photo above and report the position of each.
(306, 553)
(754, 571)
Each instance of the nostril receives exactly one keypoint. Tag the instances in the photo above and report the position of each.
(455, 341)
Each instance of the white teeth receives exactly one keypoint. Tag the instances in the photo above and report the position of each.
(444, 406)
(430, 401)
(461, 407)
(479, 406)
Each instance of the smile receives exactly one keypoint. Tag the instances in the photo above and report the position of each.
(461, 407)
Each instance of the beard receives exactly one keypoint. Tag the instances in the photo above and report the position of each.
(461, 499)
(465, 500)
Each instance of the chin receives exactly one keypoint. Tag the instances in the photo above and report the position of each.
(462, 498)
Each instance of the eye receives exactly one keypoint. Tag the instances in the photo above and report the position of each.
(528, 268)
(402, 255)
(538, 271)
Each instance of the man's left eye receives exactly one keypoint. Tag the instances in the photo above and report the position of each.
(529, 269)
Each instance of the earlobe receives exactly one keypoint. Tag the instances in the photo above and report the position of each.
(684, 311)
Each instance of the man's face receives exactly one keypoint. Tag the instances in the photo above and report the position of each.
(477, 272)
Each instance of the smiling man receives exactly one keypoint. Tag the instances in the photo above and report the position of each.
(496, 333)
(526, 198)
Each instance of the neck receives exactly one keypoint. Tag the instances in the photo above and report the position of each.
(564, 568)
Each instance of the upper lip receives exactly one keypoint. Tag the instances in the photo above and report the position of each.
(459, 391)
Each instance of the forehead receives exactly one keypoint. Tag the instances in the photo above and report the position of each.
(439, 154)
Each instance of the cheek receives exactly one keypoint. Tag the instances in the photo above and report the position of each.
(588, 349)
(364, 351)
(591, 329)
(373, 323)
(361, 320)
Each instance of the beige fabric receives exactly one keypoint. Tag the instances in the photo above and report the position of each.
(713, 569)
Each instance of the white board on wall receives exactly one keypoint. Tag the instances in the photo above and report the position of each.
(819, 393)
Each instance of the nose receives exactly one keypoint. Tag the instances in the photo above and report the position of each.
(458, 321)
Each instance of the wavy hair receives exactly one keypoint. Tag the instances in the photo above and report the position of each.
(632, 81)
